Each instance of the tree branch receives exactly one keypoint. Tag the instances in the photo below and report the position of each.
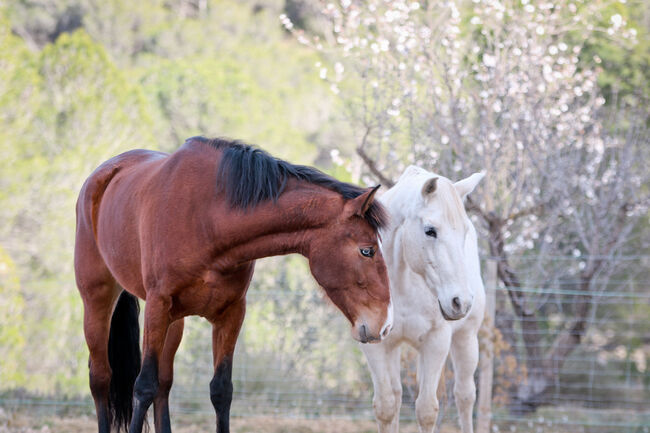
(371, 163)
(535, 209)
(472, 206)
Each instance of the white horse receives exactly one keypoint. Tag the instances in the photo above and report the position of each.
(431, 252)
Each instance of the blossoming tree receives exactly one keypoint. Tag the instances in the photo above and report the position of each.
(500, 86)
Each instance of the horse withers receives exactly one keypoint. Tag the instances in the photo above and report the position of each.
(183, 231)
(431, 251)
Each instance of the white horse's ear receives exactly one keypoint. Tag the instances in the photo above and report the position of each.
(429, 187)
(466, 186)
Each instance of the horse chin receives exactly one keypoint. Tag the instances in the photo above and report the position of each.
(447, 317)
(368, 340)
(362, 336)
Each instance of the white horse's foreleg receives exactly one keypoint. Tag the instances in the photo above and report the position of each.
(384, 362)
(432, 357)
(464, 356)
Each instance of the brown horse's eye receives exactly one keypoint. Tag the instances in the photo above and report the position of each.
(367, 252)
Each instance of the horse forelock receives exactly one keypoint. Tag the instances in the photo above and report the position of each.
(407, 197)
(250, 176)
(452, 206)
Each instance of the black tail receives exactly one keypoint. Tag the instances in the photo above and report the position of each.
(124, 357)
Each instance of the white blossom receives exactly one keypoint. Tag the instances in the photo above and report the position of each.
(489, 60)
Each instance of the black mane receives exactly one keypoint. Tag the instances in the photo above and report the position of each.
(251, 176)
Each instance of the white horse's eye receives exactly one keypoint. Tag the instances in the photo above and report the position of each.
(431, 231)
(367, 252)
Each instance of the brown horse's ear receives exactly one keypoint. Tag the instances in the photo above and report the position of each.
(359, 205)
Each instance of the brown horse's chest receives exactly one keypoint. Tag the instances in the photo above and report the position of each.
(211, 294)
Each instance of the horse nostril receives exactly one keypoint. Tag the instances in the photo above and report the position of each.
(456, 303)
(363, 334)
(386, 331)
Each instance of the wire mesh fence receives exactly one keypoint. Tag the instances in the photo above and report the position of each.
(602, 383)
(295, 358)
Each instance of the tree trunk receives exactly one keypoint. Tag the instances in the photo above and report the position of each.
(542, 369)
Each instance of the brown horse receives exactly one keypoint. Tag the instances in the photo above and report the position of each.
(182, 231)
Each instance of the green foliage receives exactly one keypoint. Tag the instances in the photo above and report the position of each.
(131, 76)
(76, 109)
(251, 85)
(215, 97)
(12, 327)
(625, 74)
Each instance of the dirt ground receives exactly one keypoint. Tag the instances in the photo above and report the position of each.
(24, 422)
(34, 420)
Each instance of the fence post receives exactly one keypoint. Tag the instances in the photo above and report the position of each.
(486, 363)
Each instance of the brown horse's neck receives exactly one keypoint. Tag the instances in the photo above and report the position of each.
(287, 226)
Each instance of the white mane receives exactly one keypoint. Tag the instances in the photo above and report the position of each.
(407, 198)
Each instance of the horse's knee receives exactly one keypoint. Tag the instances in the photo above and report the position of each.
(100, 380)
(146, 385)
(386, 406)
(465, 393)
(397, 392)
(100, 385)
(220, 392)
(145, 393)
(426, 412)
(164, 386)
(385, 409)
(165, 380)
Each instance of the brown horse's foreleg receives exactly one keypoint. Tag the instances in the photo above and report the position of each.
(98, 307)
(166, 377)
(225, 330)
(156, 323)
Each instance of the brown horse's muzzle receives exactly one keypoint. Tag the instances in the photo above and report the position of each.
(366, 332)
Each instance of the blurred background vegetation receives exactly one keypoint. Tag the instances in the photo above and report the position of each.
(83, 80)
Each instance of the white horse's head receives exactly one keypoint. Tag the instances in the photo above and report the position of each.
(434, 229)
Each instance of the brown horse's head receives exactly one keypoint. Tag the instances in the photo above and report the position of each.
(342, 246)
(346, 261)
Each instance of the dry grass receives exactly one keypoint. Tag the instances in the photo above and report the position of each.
(23, 422)
(35, 420)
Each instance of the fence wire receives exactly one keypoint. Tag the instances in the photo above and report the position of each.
(295, 358)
